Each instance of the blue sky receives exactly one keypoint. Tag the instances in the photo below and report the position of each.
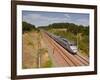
(39, 18)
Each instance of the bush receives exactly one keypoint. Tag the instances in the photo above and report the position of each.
(27, 27)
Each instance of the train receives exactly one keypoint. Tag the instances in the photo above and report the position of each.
(71, 47)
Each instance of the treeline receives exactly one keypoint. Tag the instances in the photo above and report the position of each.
(27, 26)
(71, 27)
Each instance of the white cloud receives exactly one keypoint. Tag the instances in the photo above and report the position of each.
(82, 21)
(39, 19)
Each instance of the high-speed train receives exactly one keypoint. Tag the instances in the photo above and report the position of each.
(69, 46)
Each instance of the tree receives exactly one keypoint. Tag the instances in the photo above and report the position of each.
(27, 27)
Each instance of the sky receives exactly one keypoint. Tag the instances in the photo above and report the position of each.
(39, 18)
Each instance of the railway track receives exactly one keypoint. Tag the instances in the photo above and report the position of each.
(69, 59)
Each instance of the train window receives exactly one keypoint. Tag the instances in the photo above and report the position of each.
(65, 40)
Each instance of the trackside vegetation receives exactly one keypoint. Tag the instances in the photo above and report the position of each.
(35, 55)
(27, 27)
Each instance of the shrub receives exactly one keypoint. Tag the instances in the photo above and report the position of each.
(27, 27)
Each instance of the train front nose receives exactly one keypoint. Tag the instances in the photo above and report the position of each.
(74, 49)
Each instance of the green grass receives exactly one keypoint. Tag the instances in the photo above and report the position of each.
(48, 64)
(83, 44)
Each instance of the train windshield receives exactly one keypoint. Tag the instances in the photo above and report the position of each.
(72, 44)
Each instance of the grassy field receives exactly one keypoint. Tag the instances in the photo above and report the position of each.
(35, 55)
